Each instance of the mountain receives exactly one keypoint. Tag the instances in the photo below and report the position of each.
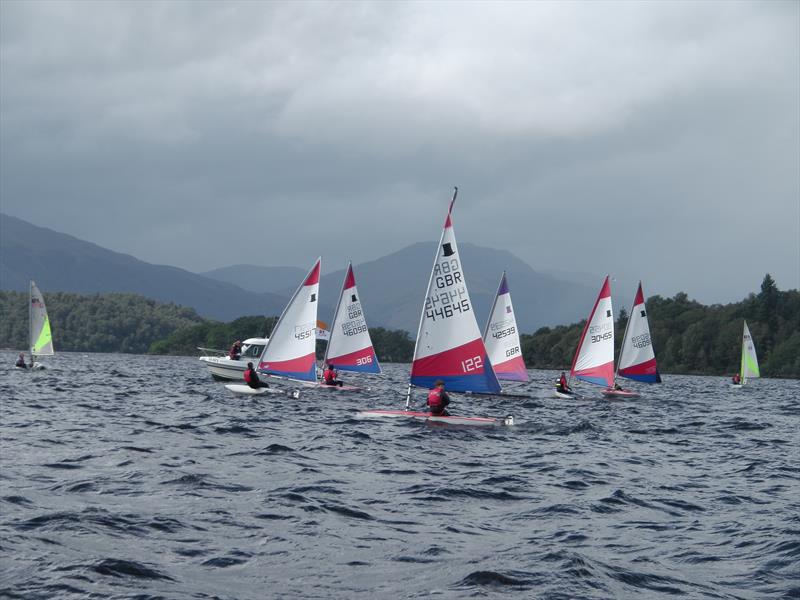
(60, 262)
(278, 280)
(392, 287)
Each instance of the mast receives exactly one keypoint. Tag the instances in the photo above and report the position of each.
(742, 370)
(30, 319)
(430, 280)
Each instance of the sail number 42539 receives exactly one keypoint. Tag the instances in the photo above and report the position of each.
(471, 364)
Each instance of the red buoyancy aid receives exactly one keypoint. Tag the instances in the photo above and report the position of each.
(563, 382)
(435, 399)
(329, 375)
(248, 376)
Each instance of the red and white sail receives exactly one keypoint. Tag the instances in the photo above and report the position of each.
(637, 358)
(290, 351)
(350, 347)
(501, 337)
(594, 358)
(449, 343)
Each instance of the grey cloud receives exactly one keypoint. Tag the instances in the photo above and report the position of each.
(648, 139)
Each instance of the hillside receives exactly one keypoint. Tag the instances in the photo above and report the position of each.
(60, 262)
(392, 287)
(95, 323)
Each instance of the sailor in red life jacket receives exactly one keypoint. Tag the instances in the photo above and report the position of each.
(251, 377)
(736, 379)
(562, 385)
(438, 399)
(329, 376)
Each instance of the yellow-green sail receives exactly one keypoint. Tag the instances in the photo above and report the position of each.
(40, 336)
(749, 366)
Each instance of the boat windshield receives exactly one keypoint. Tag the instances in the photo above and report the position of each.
(253, 351)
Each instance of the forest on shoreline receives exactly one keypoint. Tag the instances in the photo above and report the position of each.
(689, 337)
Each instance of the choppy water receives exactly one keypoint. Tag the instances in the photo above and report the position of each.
(140, 477)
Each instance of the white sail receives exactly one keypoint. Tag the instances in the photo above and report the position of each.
(350, 346)
(290, 350)
(594, 358)
(749, 368)
(501, 337)
(41, 340)
(637, 359)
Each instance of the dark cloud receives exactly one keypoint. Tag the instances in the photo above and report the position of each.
(652, 140)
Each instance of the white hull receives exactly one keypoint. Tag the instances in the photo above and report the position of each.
(424, 416)
(222, 367)
(246, 390)
(571, 396)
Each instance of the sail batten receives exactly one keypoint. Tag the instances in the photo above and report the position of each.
(449, 344)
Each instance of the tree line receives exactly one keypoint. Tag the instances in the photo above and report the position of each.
(94, 322)
(688, 337)
(692, 338)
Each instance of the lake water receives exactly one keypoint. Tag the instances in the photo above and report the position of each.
(140, 477)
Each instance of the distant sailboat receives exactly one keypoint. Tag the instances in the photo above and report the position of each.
(350, 347)
(637, 359)
(40, 337)
(449, 344)
(594, 357)
(748, 368)
(501, 337)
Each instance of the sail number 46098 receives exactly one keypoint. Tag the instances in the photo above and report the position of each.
(472, 364)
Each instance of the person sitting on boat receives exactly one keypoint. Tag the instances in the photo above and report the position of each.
(737, 380)
(330, 375)
(21, 361)
(236, 350)
(438, 399)
(562, 386)
(251, 377)
(617, 387)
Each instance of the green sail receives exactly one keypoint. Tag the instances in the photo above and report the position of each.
(44, 343)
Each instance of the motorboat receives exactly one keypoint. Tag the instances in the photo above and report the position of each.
(223, 368)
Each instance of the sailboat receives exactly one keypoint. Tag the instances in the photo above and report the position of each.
(350, 347)
(290, 351)
(748, 368)
(449, 344)
(501, 337)
(637, 359)
(594, 357)
(39, 335)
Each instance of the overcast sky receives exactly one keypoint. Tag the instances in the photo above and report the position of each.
(651, 140)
